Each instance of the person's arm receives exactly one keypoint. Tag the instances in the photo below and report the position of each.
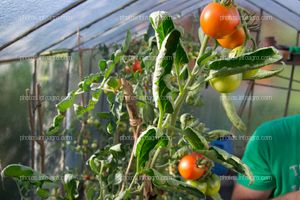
(241, 192)
(256, 157)
(290, 196)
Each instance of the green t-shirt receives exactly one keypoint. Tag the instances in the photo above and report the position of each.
(273, 155)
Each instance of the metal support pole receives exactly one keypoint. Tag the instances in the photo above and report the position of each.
(252, 83)
(286, 110)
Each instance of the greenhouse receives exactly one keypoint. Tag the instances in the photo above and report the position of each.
(160, 99)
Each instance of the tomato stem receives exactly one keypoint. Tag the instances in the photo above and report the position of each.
(133, 180)
(161, 117)
(246, 30)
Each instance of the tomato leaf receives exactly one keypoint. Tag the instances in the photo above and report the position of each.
(146, 142)
(217, 134)
(126, 43)
(87, 81)
(16, 171)
(229, 161)
(25, 174)
(181, 57)
(245, 62)
(80, 110)
(66, 103)
(43, 193)
(231, 112)
(172, 185)
(195, 139)
(261, 74)
(163, 68)
(56, 124)
(94, 165)
(163, 24)
(102, 65)
(71, 186)
(181, 152)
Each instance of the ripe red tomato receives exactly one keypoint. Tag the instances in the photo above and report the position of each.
(188, 166)
(237, 38)
(218, 21)
(137, 66)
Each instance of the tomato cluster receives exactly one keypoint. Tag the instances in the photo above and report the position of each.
(194, 168)
(223, 23)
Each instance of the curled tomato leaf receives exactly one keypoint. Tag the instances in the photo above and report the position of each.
(245, 62)
(146, 142)
(229, 161)
(163, 68)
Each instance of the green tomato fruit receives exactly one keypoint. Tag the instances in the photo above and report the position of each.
(94, 145)
(85, 142)
(226, 84)
(250, 73)
(201, 186)
(90, 120)
(213, 185)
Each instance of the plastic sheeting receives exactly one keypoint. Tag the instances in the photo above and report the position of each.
(16, 16)
(116, 17)
(60, 27)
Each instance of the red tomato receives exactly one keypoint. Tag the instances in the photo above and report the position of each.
(237, 38)
(218, 21)
(188, 166)
(137, 66)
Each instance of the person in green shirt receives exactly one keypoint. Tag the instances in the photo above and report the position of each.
(273, 155)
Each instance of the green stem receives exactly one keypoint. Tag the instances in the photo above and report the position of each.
(245, 27)
(181, 98)
(102, 187)
(161, 118)
(177, 71)
(133, 180)
(155, 156)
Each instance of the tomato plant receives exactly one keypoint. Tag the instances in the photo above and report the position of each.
(193, 166)
(144, 132)
(218, 21)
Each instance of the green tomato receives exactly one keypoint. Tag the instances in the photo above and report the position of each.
(94, 145)
(90, 120)
(85, 142)
(201, 186)
(78, 148)
(226, 84)
(250, 73)
(213, 185)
